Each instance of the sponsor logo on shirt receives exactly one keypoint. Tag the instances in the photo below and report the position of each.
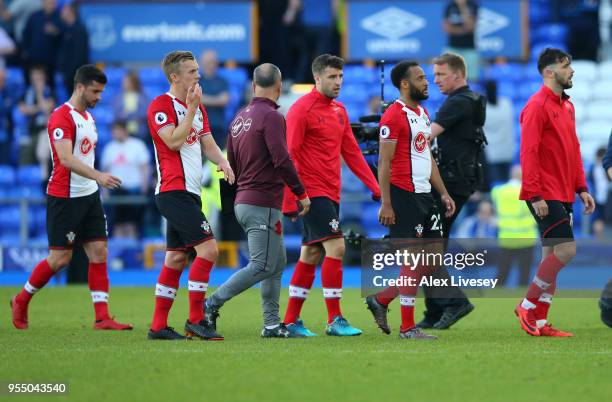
(193, 136)
(86, 146)
(420, 142)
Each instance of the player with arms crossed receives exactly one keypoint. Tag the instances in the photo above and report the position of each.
(318, 135)
(180, 132)
(74, 209)
(406, 172)
(552, 176)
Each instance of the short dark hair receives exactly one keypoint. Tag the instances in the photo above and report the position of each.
(550, 56)
(89, 73)
(172, 61)
(455, 62)
(119, 123)
(401, 71)
(326, 60)
(266, 75)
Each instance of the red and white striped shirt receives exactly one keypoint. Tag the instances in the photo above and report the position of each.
(67, 123)
(182, 169)
(410, 129)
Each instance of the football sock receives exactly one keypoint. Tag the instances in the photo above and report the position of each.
(38, 279)
(165, 292)
(331, 279)
(299, 288)
(199, 274)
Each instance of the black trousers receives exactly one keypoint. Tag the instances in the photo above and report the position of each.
(507, 256)
(439, 298)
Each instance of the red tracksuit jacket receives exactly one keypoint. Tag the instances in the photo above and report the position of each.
(318, 133)
(550, 151)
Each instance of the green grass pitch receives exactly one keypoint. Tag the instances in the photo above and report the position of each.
(485, 357)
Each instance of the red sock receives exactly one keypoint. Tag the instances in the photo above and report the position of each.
(98, 286)
(407, 292)
(165, 292)
(38, 279)
(299, 287)
(545, 278)
(386, 296)
(199, 274)
(331, 279)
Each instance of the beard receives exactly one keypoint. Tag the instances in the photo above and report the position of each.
(565, 84)
(417, 95)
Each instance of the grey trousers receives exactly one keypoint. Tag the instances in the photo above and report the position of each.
(267, 260)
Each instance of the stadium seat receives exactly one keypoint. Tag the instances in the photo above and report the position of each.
(580, 92)
(504, 71)
(369, 217)
(530, 72)
(528, 88)
(600, 110)
(104, 114)
(152, 76)
(29, 175)
(7, 176)
(10, 218)
(155, 90)
(604, 69)
(589, 147)
(596, 130)
(585, 70)
(359, 74)
(115, 75)
(507, 89)
(580, 108)
(539, 12)
(552, 32)
(235, 76)
(603, 90)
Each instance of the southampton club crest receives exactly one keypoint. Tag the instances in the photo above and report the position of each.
(419, 230)
(70, 236)
(205, 227)
(335, 225)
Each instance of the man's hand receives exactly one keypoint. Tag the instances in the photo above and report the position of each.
(540, 208)
(589, 203)
(194, 94)
(228, 173)
(109, 181)
(305, 204)
(609, 172)
(450, 205)
(386, 216)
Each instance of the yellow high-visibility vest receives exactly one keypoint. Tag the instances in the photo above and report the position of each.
(516, 226)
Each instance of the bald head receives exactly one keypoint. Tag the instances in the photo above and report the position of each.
(267, 81)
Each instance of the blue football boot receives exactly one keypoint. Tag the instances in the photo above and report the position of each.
(341, 327)
(298, 328)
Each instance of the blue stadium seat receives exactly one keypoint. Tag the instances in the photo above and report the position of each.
(153, 91)
(528, 88)
(539, 11)
(355, 93)
(7, 175)
(236, 77)
(359, 74)
(10, 218)
(369, 217)
(550, 32)
(115, 75)
(104, 114)
(110, 91)
(152, 76)
(29, 175)
(507, 89)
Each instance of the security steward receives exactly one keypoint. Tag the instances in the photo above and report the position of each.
(457, 129)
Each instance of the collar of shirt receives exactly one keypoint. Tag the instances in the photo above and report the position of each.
(551, 94)
(266, 101)
(464, 88)
(320, 97)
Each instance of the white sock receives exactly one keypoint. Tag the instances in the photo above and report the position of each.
(527, 304)
(541, 323)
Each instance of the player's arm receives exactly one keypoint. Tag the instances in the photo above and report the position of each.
(174, 137)
(296, 129)
(386, 215)
(213, 153)
(438, 185)
(63, 148)
(532, 125)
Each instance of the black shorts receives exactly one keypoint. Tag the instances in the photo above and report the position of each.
(322, 222)
(72, 220)
(186, 225)
(416, 215)
(556, 227)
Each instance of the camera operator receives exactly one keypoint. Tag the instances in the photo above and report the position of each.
(460, 140)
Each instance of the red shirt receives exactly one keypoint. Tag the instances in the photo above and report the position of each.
(550, 151)
(182, 169)
(318, 133)
(410, 129)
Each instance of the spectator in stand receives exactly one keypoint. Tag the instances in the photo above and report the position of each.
(130, 106)
(601, 186)
(16, 14)
(480, 225)
(41, 39)
(7, 46)
(74, 46)
(215, 96)
(36, 105)
(127, 158)
(499, 129)
(460, 17)
(7, 102)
